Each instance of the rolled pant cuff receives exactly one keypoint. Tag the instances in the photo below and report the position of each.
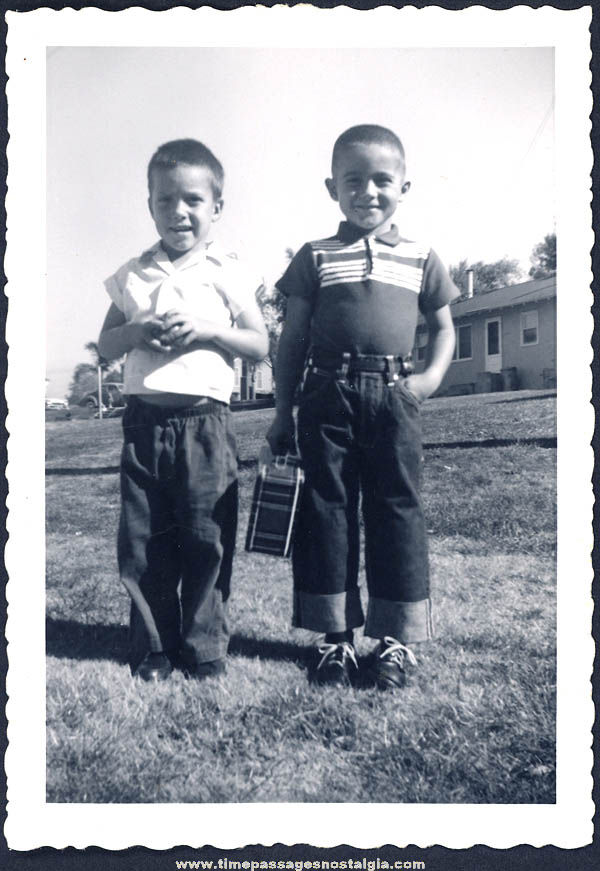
(405, 621)
(334, 612)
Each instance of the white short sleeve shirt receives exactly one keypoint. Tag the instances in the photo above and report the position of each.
(210, 283)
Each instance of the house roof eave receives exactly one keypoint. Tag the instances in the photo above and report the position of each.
(511, 296)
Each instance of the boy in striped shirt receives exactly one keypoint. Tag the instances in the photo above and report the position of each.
(353, 303)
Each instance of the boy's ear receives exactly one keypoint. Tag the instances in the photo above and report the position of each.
(150, 206)
(330, 185)
(405, 188)
(217, 210)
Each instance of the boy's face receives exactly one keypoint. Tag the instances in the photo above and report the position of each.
(368, 183)
(183, 206)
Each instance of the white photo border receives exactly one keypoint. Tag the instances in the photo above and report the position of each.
(33, 823)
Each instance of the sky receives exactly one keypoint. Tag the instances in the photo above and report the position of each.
(477, 125)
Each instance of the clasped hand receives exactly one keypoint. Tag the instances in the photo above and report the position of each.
(174, 331)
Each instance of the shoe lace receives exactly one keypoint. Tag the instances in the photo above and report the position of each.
(338, 651)
(394, 651)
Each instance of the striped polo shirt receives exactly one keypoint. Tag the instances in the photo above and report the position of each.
(367, 291)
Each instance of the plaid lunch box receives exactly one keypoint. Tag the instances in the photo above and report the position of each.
(274, 506)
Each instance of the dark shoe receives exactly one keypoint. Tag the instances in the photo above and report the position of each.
(387, 667)
(154, 667)
(337, 665)
(202, 670)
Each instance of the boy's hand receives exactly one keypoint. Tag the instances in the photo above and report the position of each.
(180, 329)
(282, 435)
(421, 385)
(149, 334)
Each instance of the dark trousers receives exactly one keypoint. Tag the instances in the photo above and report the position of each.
(177, 528)
(359, 435)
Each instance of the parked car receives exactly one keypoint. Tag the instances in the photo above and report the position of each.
(56, 403)
(112, 397)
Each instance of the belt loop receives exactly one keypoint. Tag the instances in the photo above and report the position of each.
(391, 370)
(342, 373)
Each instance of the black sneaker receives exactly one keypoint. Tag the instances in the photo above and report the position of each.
(154, 667)
(387, 667)
(337, 665)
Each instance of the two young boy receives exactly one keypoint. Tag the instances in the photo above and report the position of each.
(181, 312)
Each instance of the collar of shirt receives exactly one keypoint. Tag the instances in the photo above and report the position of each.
(160, 257)
(349, 233)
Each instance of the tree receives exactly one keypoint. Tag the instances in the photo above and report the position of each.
(486, 276)
(543, 258)
(85, 375)
(273, 306)
(84, 380)
(98, 360)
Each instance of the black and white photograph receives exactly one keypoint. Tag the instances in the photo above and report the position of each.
(308, 514)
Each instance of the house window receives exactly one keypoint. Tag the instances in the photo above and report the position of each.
(529, 328)
(420, 346)
(259, 379)
(463, 349)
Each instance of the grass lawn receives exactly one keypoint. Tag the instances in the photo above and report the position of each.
(477, 721)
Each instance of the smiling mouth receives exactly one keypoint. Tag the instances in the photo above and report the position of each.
(181, 229)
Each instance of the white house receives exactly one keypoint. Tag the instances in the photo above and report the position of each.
(505, 339)
(252, 380)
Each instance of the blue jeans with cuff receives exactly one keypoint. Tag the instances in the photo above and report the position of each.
(358, 434)
(177, 530)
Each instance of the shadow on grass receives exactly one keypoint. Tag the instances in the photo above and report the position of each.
(540, 442)
(67, 639)
(96, 470)
(262, 648)
(114, 470)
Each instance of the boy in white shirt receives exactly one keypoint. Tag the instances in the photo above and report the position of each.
(181, 312)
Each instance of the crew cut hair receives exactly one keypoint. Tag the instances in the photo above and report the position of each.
(366, 134)
(189, 152)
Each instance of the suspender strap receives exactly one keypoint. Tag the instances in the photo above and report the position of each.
(342, 373)
(391, 369)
